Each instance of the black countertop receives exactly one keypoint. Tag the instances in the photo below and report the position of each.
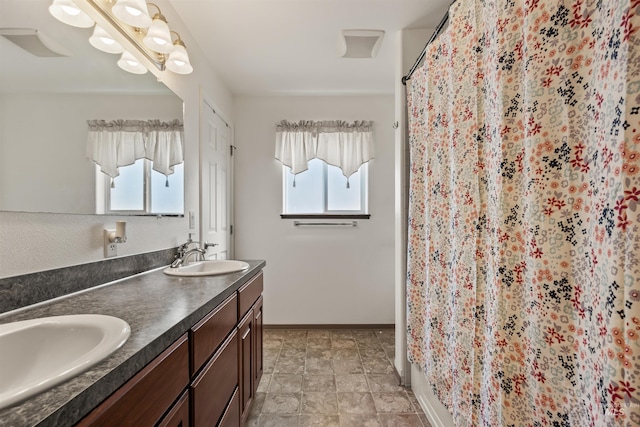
(159, 309)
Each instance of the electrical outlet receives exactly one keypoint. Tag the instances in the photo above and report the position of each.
(110, 249)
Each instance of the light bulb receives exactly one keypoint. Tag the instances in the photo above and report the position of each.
(132, 12)
(178, 61)
(68, 12)
(129, 63)
(158, 36)
(101, 40)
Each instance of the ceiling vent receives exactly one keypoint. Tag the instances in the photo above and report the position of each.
(360, 43)
(33, 41)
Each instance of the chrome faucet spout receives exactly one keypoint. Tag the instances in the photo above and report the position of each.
(194, 251)
(184, 253)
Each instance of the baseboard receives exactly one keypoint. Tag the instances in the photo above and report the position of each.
(333, 326)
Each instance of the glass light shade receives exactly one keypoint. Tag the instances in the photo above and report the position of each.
(158, 37)
(178, 61)
(101, 40)
(68, 12)
(129, 63)
(132, 12)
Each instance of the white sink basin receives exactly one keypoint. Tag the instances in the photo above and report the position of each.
(207, 268)
(38, 354)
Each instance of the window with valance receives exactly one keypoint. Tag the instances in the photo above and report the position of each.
(332, 155)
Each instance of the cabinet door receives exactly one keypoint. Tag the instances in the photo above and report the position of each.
(257, 343)
(245, 363)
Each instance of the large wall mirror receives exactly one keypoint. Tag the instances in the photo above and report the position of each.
(45, 103)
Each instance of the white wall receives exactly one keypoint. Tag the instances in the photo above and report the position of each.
(38, 242)
(320, 275)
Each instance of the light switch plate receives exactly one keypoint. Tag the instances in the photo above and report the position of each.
(192, 220)
(110, 249)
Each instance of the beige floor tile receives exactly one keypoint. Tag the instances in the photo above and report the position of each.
(319, 353)
(319, 343)
(319, 333)
(318, 366)
(326, 383)
(396, 403)
(384, 383)
(377, 366)
(352, 382)
(355, 403)
(361, 420)
(318, 420)
(282, 403)
(399, 420)
(345, 354)
(285, 383)
(343, 343)
(277, 420)
(347, 367)
(319, 403)
(341, 333)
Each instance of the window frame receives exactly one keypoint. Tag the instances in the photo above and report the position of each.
(362, 213)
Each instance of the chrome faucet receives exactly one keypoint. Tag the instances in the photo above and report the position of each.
(184, 253)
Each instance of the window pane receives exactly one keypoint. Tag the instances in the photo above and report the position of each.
(339, 197)
(306, 196)
(168, 200)
(128, 194)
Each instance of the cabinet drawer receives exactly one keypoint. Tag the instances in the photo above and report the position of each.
(210, 332)
(248, 294)
(179, 414)
(213, 387)
(231, 417)
(148, 395)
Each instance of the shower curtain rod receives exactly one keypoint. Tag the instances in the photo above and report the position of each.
(441, 25)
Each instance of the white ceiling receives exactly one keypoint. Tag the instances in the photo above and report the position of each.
(289, 47)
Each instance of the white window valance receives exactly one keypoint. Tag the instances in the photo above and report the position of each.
(338, 143)
(116, 143)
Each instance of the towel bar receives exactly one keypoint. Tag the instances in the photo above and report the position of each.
(349, 224)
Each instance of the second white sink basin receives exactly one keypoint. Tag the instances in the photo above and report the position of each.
(207, 268)
(38, 354)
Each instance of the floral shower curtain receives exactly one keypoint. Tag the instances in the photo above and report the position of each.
(524, 222)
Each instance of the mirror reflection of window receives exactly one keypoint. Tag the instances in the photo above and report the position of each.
(141, 190)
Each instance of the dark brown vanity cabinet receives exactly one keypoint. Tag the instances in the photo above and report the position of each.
(205, 379)
(250, 342)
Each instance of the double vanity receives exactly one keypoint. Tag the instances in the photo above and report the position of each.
(193, 356)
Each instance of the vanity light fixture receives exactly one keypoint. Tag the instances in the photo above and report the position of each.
(152, 37)
(158, 36)
(178, 60)
(68, 12)
(132, 12)
(129, 63)
(101, 40)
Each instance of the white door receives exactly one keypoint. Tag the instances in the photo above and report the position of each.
(215, 169)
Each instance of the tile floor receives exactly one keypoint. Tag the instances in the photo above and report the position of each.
(332, 378)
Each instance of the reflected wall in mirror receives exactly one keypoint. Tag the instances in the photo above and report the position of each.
(45, 103)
